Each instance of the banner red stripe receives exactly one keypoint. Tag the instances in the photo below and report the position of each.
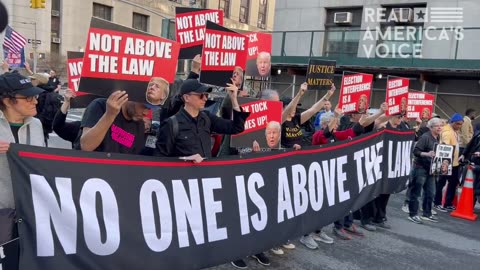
(205, 163)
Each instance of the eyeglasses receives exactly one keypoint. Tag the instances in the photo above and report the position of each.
(29, 98)
(201, 96)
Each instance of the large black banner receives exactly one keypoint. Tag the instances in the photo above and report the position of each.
(9, 255)
(83, 210)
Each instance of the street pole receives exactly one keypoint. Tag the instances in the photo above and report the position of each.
(34, 45)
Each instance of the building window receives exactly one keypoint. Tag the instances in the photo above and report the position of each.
(102, 11)
(262, 15)
(56, 5)
(244, 10)
(225, 6)
(342, 40)
(198, 3)
(140, 22)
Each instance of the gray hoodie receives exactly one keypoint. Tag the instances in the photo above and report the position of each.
(36, 138)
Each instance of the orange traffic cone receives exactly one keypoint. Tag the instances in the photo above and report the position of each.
(465, 205)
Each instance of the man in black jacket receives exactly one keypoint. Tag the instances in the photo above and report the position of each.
(187, 133)
(472, 154)
(420, 176)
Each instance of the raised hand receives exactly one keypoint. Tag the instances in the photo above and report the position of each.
(196, 63)
(69, 94)
(232, 90)
(115, 102)
(331, 91)
(303, 88)
(384, 107)
(338, 111)
(5, 66)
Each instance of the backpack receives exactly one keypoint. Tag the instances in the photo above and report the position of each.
(50, 104)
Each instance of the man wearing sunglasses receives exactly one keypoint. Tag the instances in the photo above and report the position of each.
(18, 100)
(187, 133)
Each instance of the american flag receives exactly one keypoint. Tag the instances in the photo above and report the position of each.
(13, 41)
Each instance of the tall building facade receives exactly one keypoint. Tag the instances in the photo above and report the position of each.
(432, 42)
(63, 24)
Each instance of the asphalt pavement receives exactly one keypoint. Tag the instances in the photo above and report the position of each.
(449, 244)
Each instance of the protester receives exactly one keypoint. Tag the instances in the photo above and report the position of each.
(357, 124)
(327, 108)
(420, 129)
(18, 98)
(113, 125)
(291, 131)
(420, 176)
(449, 136)
(67, 131)
(369, 122)
(191, 139)
(380, 203)
(472, 154)
(49, 103)
(466, 131)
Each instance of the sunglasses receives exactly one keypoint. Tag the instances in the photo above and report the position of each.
(28, 99)
(201, 96)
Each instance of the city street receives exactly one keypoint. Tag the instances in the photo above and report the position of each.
(450, 244)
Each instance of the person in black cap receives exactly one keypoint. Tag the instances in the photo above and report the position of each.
(187, 133)
(18, 98)
(113, 125)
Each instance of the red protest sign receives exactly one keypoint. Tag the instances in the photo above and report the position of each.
(190, 28)
(259, 54)
(223, 51)
(355, 92)
(397, 95)
(262, 112)
(420, 105)
(14, 59)
(74, 71)
(118, 57)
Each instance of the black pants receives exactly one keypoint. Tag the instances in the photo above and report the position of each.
(380, 208)
(451, 187)
(7, 225)
(367, 212)
(346, 222)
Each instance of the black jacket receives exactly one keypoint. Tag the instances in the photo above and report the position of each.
(193, 134)
(67, 131)
(426, 143)
(472, 147)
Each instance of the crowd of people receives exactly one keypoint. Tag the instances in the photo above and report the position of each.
(117, 125)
